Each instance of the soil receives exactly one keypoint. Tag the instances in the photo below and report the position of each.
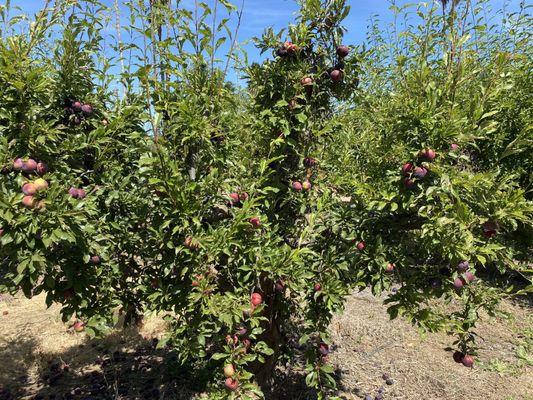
(41, 358)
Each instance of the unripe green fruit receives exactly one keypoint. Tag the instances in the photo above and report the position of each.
(229, 371)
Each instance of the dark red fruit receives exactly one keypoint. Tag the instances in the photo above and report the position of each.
(463, 266)
(309, 162)
(361, 246)
(336, 75)
(30, 165)
(318, 287)
(409, 183)
(255, 222)
(323, 348)
(490, 229)
(42, 168)
(343, 51)
(428, 154)
(458, 357)
(243, 196)
(68, 294)
(279, 286)
(420, 172)
(407, 168)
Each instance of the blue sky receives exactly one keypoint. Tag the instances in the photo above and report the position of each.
(259, 14)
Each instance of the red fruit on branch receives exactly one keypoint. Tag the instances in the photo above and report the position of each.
(297, 186)
(409, 183)
(18, 164)
(428, 154)
(309, 162)
(463, 266)
(470, 277)
(231, 384)
(243, 196)
(458, 283)
(292, 104)
(390, 268)
(454, 146)
(29, 189)
(87, 109)
(318, 287)
(361, 246)
(406, 169)
(256, 299)
(420, 172)
(306, 185)
(73, 192)
(76, 106)
(255, 222)
(229, 370)
(490, 229)
(343, 51)
(29, 166)
(279, 286)
(28, 201)
(307, 81)
(81, 194)
(234, 198)
(42, 168)
(323, 348)
(95, 260)
(336, 75)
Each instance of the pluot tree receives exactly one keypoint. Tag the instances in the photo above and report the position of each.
(246, 217)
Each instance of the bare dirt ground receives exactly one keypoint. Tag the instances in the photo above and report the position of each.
(41, 359)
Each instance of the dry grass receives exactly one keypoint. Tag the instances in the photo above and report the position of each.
(40, 357)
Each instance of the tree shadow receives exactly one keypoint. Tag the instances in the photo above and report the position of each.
(123, 365)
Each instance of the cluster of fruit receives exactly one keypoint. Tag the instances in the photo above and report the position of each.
(76, 111)
(466, 275)
(30, 188)
(411, 173)
(240, 344)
